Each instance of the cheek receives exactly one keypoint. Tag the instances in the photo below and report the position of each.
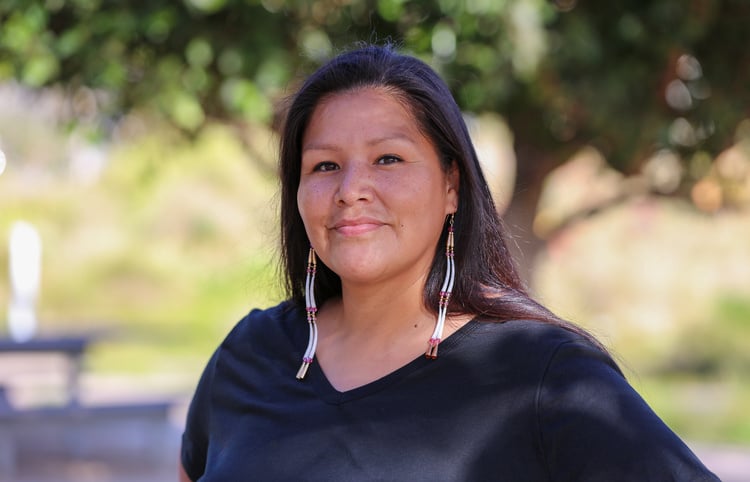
(303, 206)
(310, 202)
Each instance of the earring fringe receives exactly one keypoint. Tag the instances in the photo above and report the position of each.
(312, 310)
(445, 295)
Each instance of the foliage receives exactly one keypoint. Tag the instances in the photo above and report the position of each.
(162, 246)
(668, 288)
(160, 258)
(706, 410)
(629, 77)
(720, 346)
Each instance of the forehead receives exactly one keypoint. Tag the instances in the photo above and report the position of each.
(364, 110)
(372, 97)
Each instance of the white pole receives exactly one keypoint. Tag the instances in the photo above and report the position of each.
(25, 274)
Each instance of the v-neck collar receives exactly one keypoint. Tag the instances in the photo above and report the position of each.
(323, 388)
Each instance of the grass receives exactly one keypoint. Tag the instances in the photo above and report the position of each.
(709, 410)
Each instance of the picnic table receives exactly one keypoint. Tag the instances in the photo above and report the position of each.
(72, 348)
(138, 433)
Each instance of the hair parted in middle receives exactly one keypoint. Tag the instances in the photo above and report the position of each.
(489, 284)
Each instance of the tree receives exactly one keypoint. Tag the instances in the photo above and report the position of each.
(629, 77)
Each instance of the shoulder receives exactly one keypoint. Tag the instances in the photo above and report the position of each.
(264, 323)
(262, 334)
(532, 341)
(275, 314)
(593, 425)
(539, 333)
(521, 353)
(249, 348)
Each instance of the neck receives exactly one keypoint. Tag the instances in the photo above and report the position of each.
(368, 333)
(380, 313)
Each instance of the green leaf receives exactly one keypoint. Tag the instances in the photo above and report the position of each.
(199, 52)
(39, 70)
(244, 97)
(185, 110)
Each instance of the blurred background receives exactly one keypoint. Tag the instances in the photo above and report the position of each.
(138, 197)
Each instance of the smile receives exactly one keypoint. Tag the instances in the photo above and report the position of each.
(354, 227)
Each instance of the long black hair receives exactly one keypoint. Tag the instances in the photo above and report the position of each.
(487, 284)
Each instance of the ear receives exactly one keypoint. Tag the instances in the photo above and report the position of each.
(452, 181)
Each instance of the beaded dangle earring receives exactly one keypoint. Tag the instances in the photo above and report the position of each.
(445, 294)
(311, 310)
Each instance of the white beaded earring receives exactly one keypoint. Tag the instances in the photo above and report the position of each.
(445, 294)
(311, 309)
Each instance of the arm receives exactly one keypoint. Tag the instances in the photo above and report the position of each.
(195, 438)
(182, 475)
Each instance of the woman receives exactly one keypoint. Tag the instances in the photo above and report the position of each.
(392, 250)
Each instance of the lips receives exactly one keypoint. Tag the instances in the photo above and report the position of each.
(357, 226)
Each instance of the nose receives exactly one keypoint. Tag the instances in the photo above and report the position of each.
(355, 184)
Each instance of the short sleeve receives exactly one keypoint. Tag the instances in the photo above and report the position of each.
(197, 424)
(594, 426)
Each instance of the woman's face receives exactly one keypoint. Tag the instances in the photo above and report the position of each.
(372, 195)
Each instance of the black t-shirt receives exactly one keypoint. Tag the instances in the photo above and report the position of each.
(513, 401)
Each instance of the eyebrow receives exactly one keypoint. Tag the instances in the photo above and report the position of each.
(372, 142)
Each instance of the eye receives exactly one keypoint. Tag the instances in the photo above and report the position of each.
(388, 159)
(325, 166)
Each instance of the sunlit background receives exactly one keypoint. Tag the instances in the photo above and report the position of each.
(138, 146)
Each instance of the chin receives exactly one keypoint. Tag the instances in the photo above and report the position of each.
(361, 274)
